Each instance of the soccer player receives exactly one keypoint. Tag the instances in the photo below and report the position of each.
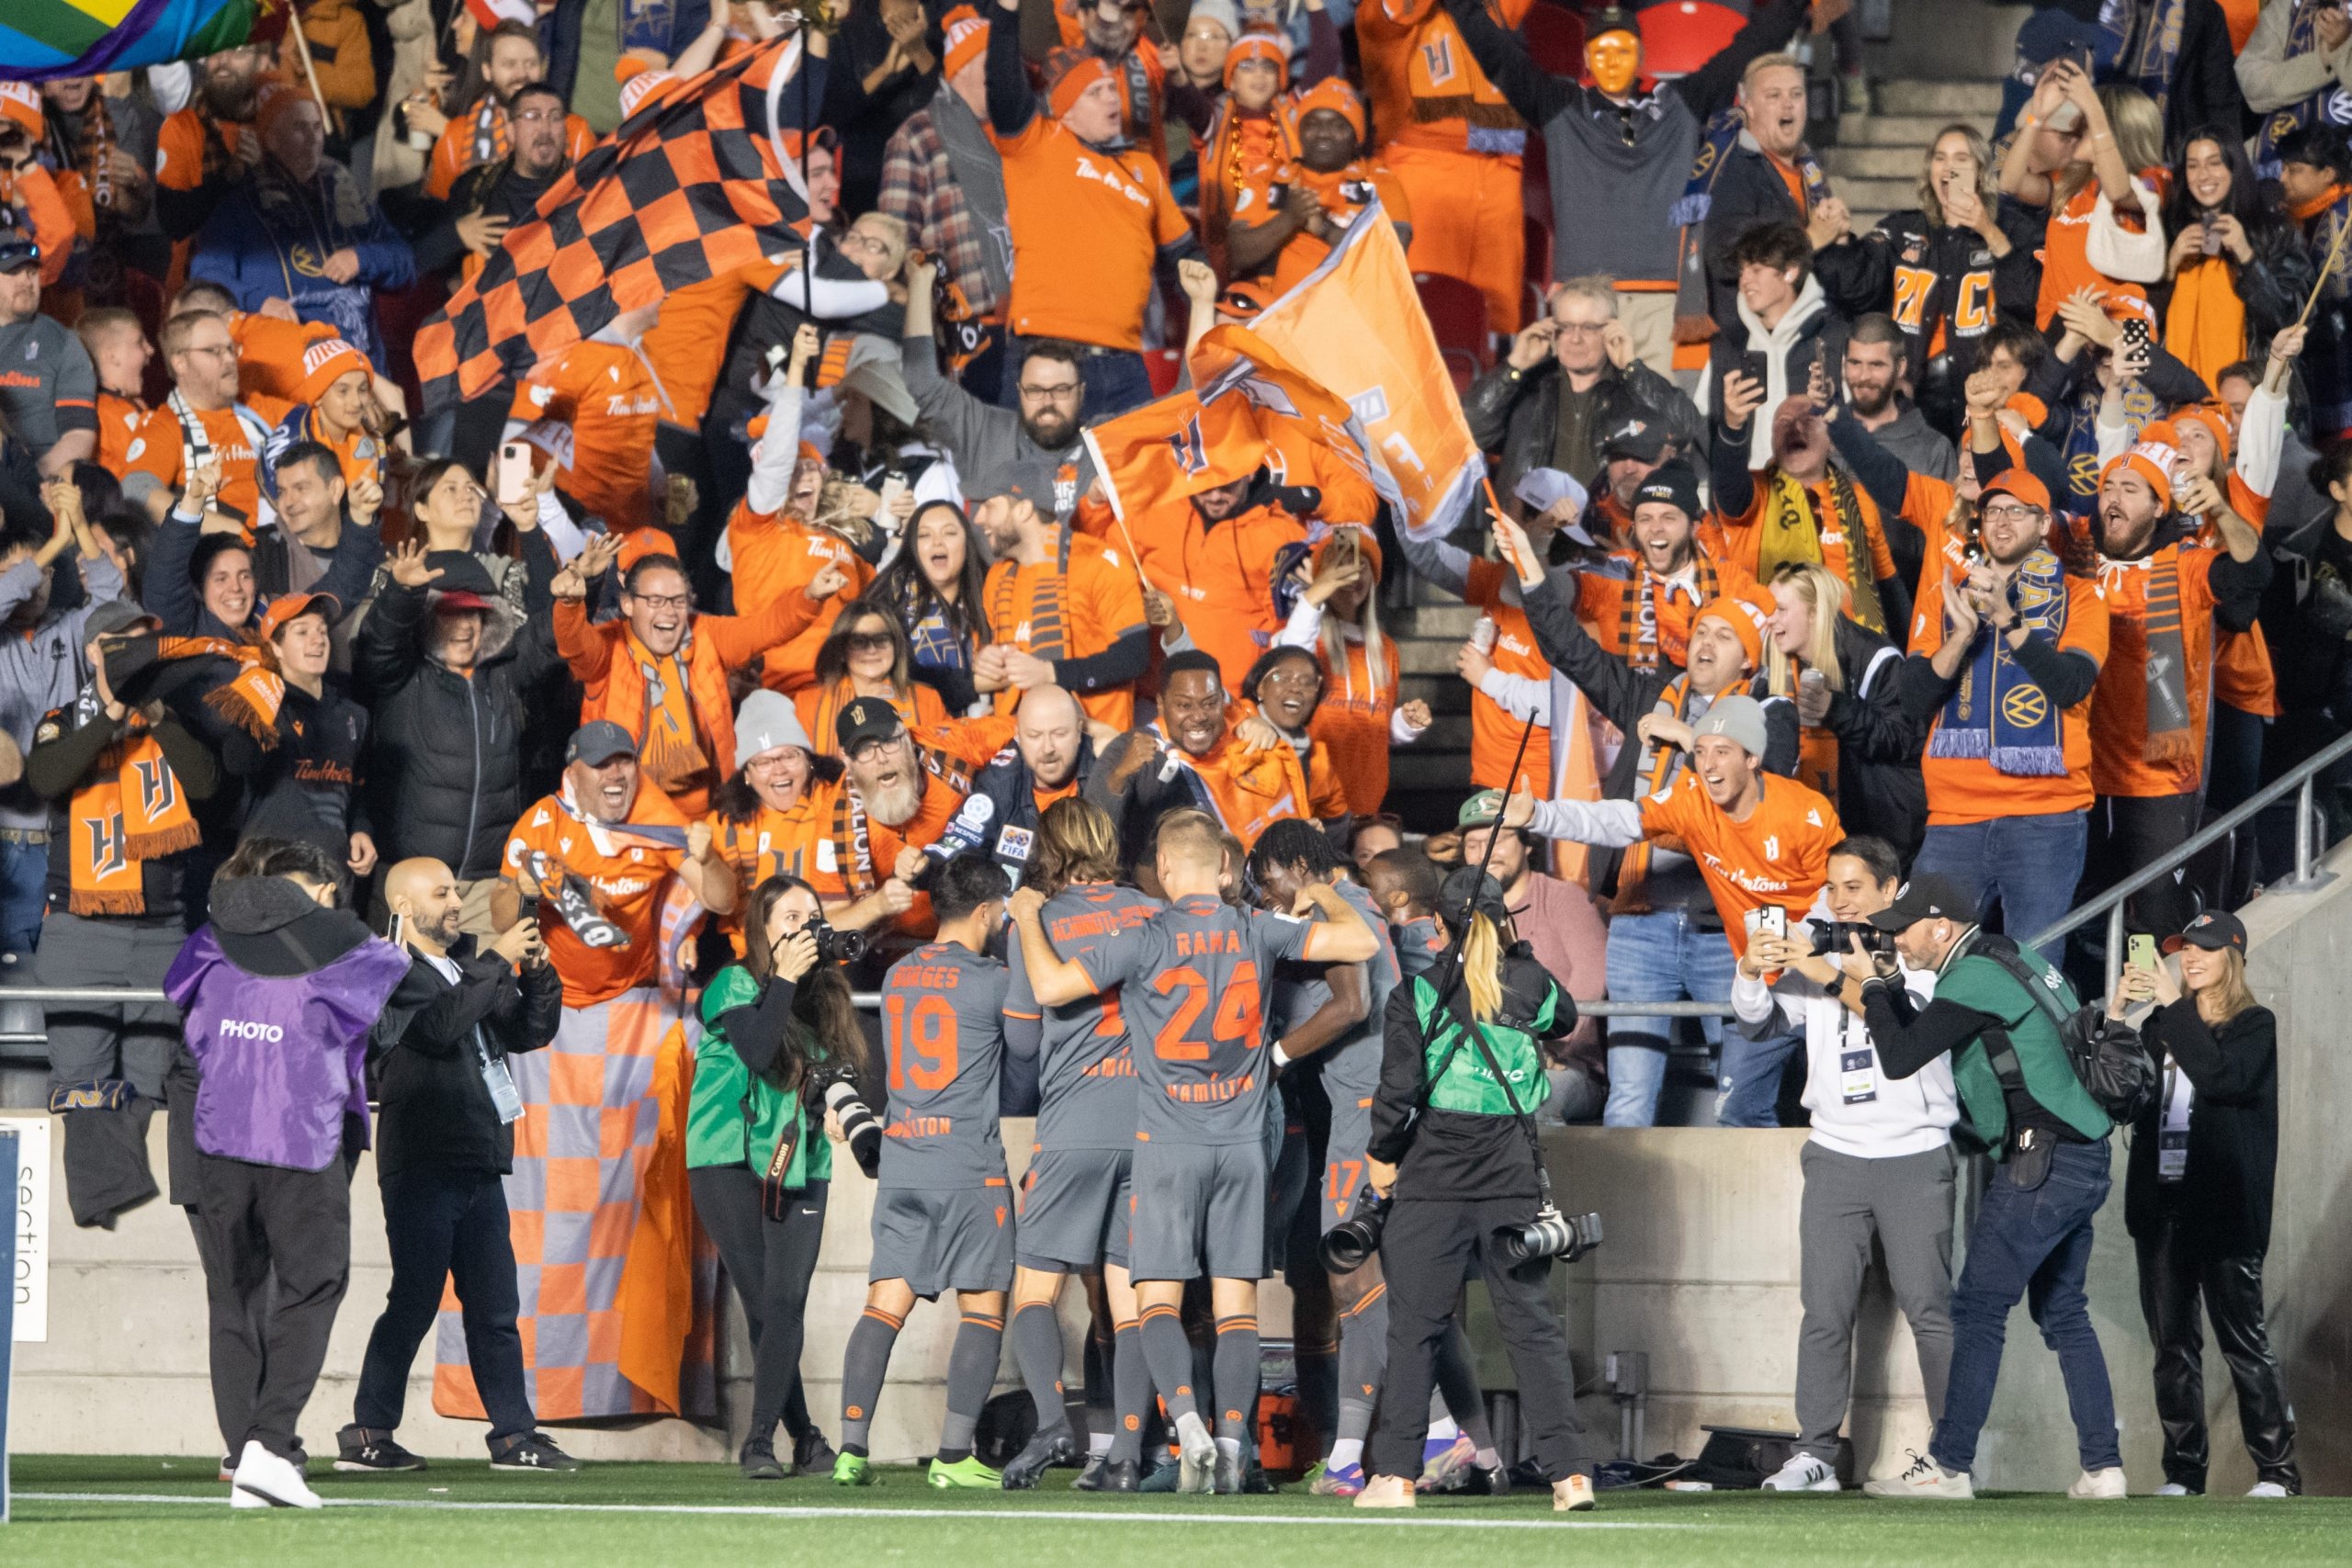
(943, 1213)
(1074, 1201)
(1199, 1172)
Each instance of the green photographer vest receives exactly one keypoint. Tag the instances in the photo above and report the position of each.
(1460, 1078)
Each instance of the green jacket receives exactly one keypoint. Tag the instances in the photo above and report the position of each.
(1467, 1084)
(1971, 979)
(735, 1117)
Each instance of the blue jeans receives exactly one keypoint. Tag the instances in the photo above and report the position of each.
(2029, 865)
(1116, 380)
(2037, 1244)
(1661, 957)
(1747, 1079)
(24, 890)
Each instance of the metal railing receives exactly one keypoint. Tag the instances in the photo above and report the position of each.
(2310, 831)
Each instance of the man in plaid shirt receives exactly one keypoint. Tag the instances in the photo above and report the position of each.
(950, 197)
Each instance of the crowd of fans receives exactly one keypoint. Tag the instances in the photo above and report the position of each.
(1995, 546)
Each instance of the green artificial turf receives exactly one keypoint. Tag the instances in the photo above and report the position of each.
(456, 1515)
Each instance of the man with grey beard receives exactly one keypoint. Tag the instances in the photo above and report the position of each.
(903, 798)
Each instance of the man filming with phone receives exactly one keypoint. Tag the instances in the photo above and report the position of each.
(445, 1140)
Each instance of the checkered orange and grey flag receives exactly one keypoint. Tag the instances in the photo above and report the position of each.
(704, 178)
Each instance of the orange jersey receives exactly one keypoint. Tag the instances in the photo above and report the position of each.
(118, 422)
(970, 741)
(1343, 194)
(604, 392)
(161, 448)
(627, 880)
(942, 798)
(1244, 161)
(1658, 629)
(1351, 721)
(1221, 576)
(1426, 91)
(1251, 791)
(1087, 228)
(2065, 252)
(1494, 733)
(1779, 856)
(1970, 789)
(269, 354)
(473, 138)
(185, 140)
(1069, 608)
(359, 453)
(2119, 740)
(681, 344)
(775, 554)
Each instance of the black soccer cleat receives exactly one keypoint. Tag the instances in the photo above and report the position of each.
(1046, 1451)
(812, 1454)
(1121, 1475)
(759, 1463)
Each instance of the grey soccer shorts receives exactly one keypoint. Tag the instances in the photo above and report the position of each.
(944, 1238)
(1198, 1210)
(1074, 1209)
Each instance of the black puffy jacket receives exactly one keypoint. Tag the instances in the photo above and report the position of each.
(446, 776)
(1880, 790)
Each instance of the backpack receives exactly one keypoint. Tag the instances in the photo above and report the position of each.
(2106, 1053)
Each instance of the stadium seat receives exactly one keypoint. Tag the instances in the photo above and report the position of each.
(1457, 313)
(1554, 37)
(1538, 270)
(1681, 36)
(1163, 366)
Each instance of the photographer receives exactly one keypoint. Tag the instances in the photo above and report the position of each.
(1879, 1161)
(776, 1034)
(2033, 1235)
(1453, 1148)
(448, 1109)
(2196, 1198)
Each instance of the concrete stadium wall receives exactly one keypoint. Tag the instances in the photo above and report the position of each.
(1700, 1271)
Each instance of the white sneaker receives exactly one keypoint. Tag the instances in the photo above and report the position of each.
(1925, 1478)
(2099, 1485)
(1196, 1456)
(2270, 1489)
(269, 1482)
(2174, 1489)
(1802, 1473)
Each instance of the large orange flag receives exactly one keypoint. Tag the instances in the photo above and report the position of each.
(1355, 325)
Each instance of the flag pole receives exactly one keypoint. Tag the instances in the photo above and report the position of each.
(2318, 284)
(303, 47)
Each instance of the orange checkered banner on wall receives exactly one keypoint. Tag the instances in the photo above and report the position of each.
(704, 178)
(1355, 325)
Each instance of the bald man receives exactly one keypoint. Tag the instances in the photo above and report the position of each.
(444, 1141)
(1051, 755)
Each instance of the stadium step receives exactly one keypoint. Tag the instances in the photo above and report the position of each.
(1977, 102)
(1875, 164)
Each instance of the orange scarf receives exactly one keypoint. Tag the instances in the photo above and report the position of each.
(2305, 211)
(677, 707)
(130, 810)
(2205, 324)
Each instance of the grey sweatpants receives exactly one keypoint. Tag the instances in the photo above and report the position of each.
(105, 1151)
(1907, 1202)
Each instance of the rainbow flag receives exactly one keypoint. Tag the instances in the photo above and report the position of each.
(87, 38)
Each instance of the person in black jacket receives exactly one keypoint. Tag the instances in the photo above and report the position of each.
(305, 783)
(1860, 746)
(489, 198)
(2215, 220)
(448, 1106)
(448, 668)
(2196, 1198)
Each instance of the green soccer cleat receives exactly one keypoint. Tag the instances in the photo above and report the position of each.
(854, 1470)
(965, 1473)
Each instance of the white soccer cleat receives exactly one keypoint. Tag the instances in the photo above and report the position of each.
(1572, 1494)
(265, 1481)
(2099, 1485)
(1926, 1479)
(1386, 1492)
(2268, 1489)
(1196, 1456)
(1802, 1473)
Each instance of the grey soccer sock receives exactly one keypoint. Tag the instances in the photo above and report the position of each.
(1318, 1385)
(1037, 1350)
(971, 1371)
(1131, 1389)
(1364, 1363)
(1237, 1376)
(1169, 1356)
(1457, 1381)
(863, 1366)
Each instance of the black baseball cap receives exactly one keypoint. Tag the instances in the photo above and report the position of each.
(1639, 438)
(868, 719)
(2215, 929)
(1928, 898)
(18, 249)
(598, 742)
(1466, 891)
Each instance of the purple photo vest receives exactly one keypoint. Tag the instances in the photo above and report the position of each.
(283, 1058)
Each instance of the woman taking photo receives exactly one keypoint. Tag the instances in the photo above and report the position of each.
(1858, 745)
(758, 1164)
(2196, 1199)
(1359, 719)
(934, 586)
(2236, 269)
(1452, 1149)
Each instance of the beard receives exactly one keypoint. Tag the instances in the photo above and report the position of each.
(894, 805)
(230, 98)
(1052, 431)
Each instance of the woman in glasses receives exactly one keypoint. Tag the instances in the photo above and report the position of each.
(868, 655)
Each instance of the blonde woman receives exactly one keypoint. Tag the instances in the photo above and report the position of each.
(2196, 1199)
(1359, 719)
(1858, 745)
(1959, 262)
(2078, 149)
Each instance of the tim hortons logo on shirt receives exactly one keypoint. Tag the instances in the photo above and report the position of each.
(1745, 881)
(1771, 846)
(1088, 171)
(1512, 644)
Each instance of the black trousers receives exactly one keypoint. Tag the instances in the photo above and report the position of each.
(267, 1346)
(447, 1224)
(2130, 832)
(2175, 1270)
(771, 1262)
(1428, 1252)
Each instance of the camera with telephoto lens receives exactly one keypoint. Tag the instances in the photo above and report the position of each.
(1550, 1234)
(1348, 1243)
(837, 1087)
(835, 945)
(1837, 938)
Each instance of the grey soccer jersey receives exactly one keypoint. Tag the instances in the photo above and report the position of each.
(1193, 980)
(1086, 1075)
(1352, 1061)
(943, 1036)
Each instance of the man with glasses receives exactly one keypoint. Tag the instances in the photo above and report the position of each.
(204, 427)
(490, 198)
(487, 130)
(1031, 450)
(1570, 380)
